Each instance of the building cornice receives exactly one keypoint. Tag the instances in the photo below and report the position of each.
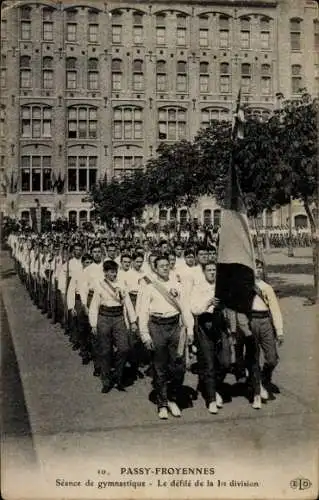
(202, 3)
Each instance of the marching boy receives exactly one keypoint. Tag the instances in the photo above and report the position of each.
(111, 316)
(267, 328)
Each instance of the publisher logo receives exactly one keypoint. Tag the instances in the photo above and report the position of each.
(300, 483)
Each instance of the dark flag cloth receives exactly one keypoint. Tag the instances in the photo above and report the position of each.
(235, 279)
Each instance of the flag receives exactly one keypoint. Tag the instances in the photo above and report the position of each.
(235, 273)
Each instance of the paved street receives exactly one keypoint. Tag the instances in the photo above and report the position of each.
(76, 431)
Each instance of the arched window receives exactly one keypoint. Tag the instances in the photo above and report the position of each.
(138, 75)
(204, 77)
(258, 114)
(296, 78)
(25, 216)
(217, 217)
(207, 219)
(183, 216)
(171, 124)
(71, 73)
(301, 221)
(127, 164)
(246, 78)
(210, 114)
(36, 173)
(163, 216)
(82, 122)
(245, 32)
(295, 34)
(93, 27)
(223, 32)
(203, 31)
(25, 72)
(181, 82)
(181, 30)
(93, 74)
(224, 77)
(47, 72)
(127, 123)
(265, 82)
(137, 28)
(160, 29)
(25, 22)
(82, 173)
(161, 76)
(117, 27)
(71, 25)
(83, 217)
(117, 74)
(36, 121)
(265, 33)
(73, 216)
(47, 24)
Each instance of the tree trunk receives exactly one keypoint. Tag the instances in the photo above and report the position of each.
(315, 250)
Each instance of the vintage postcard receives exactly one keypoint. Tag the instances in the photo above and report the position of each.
(159, 249)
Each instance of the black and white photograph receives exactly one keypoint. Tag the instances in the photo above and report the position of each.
(159, 249)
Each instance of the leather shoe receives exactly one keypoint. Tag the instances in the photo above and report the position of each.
(106, 389)
(120, 387)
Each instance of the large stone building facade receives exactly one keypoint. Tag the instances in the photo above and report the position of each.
(89, 89)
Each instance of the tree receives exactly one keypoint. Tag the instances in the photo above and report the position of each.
(173, 176)
(299, 141)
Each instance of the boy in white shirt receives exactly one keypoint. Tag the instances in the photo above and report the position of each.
(111, 316)
(266, 325)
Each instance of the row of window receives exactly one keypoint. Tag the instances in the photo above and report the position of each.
(82, 171)
(209, 216)
(138, 79)
(36, 122)
(119, 26)
(79, 217)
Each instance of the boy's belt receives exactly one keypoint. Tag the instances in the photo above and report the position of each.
(111, 311)
(260, 314)
(171, 320)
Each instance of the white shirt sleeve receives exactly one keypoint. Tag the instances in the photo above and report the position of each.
(94, 308)
(71, 293)
(144, 300)
(274, 309)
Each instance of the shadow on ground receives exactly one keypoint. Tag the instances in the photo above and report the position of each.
(306, 268)
(284, 289)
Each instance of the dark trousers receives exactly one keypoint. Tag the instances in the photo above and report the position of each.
(81, 329)
(263, 338)
(168, 368)
(211, 371)
(60, 315)
(111, 331)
